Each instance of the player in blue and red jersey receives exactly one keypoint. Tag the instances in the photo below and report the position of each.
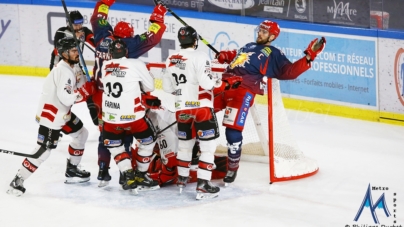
(137, 45)
(253, 64)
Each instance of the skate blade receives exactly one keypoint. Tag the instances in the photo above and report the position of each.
(76, 180)
(103, 183)
(226, 184)
(181, 190)
(14, 192)
(202, 195)
(142, 188)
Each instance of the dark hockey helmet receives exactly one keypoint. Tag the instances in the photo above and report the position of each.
(75, 17)
(117, 49)
(65, 44)
(187, 35)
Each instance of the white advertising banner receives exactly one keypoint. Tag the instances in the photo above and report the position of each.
(10, 37)
(354, 71)
(391, 75)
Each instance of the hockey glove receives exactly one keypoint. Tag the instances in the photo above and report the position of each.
(150, 101)
(158, 13)
(232, 82)
(226, 56)
(85, 91)
(315, 48)
(108, 2)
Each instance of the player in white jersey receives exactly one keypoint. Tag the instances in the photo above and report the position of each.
(188, 76)
(123, 113)
(60, 91)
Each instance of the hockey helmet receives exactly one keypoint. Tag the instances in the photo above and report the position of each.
(117, 49)
(271, 27)
(187, 35)
(65, 44)
(123, 30)
(75, 17)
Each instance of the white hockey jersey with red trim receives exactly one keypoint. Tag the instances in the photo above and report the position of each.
(123, 80)
(59, 93)
(188, 76)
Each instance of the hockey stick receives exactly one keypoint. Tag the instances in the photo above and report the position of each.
(36, 155)
(161, 131)
(76, 40)
(70, 34)
(185, 24)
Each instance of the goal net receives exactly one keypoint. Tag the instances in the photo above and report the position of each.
(267, 136)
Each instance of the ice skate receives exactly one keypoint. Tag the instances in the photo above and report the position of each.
(230, 177)
(103, 175)
(16, 186)
(145, 183)
(129, 182)
(121, 178)
(182, 182)
(206, 190)
(75, 175)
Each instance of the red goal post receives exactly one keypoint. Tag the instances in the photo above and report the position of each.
(267, 136)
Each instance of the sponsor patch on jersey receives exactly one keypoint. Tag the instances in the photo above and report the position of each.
(128, 117)
(76, 120)
(111, 118)
(230, 115)
(179, 62)
(177, 105)
(68, 89)
(192, 104)
(103, 23)
(147, 140)
(41, 138)
(112, 143)
(266, 51)
(37, 119)
(242, 117)
(103, 9)
(115, 69)
(182, 135)
(184, 117)
(206, 133)
(154, 27)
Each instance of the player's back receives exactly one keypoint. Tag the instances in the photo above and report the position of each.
(189, 72)
(122, 91)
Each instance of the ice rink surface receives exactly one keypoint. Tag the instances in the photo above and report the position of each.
(352, 154)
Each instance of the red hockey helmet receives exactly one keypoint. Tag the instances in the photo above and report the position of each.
(123, 30)
(271, 27)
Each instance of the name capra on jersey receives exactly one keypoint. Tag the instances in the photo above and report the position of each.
(188, 76)
(122, 80)
(59, 93)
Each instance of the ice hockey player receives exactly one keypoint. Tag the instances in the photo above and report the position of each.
(83, 33)
(255, 62)
(124, 81)
(60, 91)
(188, 75)
(137, 45)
